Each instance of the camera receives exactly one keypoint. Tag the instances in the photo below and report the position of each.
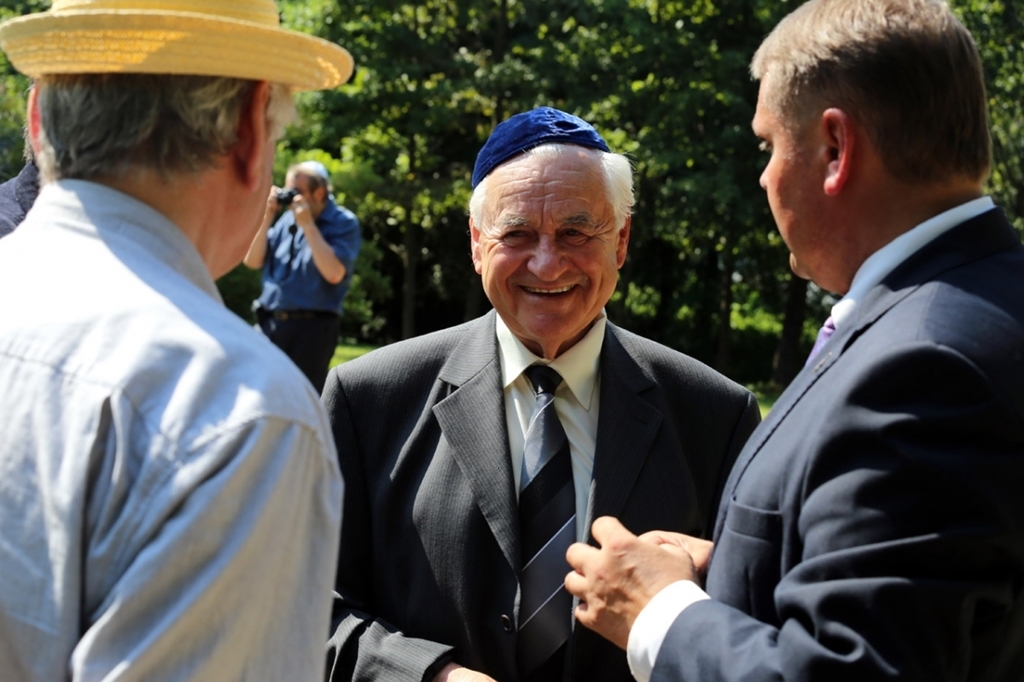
(286, 196)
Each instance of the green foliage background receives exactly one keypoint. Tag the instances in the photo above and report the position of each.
(665, 81)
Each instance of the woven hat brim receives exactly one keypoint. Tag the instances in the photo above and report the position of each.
(174, 43)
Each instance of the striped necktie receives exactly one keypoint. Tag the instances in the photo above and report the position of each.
(547, 521)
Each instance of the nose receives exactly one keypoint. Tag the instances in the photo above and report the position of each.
(547, 262)
(763, 182)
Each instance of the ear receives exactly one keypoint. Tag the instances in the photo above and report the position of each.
(253, 153)
(474, 240)
(623, 242)
(840, 145)
(35, 121)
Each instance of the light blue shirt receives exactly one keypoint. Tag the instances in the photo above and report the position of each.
(879, 264)
(169, 490)
(291, 280)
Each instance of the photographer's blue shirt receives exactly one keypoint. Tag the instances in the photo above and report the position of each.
(291, 280)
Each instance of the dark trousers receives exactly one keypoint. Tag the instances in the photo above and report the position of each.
(309, 339)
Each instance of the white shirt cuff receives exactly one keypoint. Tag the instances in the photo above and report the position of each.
(653, 623)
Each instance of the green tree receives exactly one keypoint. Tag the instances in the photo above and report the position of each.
(998, 28)
(13, 89)
(665, 81)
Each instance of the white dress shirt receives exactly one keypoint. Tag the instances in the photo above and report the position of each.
(656, 618)
(169, 489)
(577, 402)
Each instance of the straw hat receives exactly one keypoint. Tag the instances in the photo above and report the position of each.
(231, 38)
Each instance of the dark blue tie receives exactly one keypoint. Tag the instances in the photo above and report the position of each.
(547, 521)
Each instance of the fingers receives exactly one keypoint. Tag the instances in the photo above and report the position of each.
(664, 537)
(576, 584)
(699, 549)
(606, 528)
(272, 204)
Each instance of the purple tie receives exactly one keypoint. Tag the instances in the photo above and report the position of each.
(823, 336)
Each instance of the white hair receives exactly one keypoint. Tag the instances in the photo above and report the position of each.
(618, 180)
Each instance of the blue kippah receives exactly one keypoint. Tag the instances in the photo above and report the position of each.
(531, 129)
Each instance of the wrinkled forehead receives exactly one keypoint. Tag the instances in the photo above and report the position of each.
(540, 187)
(297, 180)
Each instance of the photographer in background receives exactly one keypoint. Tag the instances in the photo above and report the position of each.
(307, 258)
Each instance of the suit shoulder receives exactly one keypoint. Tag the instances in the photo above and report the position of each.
(408, 358)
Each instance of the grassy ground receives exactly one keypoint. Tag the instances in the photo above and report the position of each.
(766, 394)
(345, 352)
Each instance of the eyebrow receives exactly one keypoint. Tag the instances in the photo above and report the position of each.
(576, 219)
(580, 219)
(513, 221)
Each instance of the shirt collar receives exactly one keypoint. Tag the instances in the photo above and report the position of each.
(102, 209)
(577, 366)
(886, 259)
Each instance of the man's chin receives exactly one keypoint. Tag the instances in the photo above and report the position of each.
(797, 267)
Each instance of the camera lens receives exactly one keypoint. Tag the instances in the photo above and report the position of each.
(286, 196)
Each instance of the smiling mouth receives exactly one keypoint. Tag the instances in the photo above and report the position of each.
(547, 292)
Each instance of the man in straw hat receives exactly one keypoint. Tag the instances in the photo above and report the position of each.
(168, 481)
(873, 526)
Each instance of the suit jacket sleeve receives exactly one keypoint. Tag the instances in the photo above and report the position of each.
(898, 552)
(362, 646)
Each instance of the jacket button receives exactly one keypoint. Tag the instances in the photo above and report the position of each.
(506, 623)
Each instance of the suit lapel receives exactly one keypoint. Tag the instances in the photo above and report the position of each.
(627, 425)
(472, 419)
(976, 238)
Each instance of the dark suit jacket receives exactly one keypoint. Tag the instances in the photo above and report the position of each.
(17, 196)
(428, 567)
(873, 527)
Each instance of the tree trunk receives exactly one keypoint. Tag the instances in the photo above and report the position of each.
(723, 343)
(411, 246)
(788, 361)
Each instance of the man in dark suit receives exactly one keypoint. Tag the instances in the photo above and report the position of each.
(873, 526)
(440, 559)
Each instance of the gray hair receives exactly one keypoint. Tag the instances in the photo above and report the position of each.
(315, 173)
(908, 70)
(101, 125)
(618, 180)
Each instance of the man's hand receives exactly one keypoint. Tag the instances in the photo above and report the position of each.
(257, 253)
(272, 205)
(614, 583)
(303, 215)
(456, 673)
(698, 549)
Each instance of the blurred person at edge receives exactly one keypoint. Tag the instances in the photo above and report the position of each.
(19, 193)
(168, 480)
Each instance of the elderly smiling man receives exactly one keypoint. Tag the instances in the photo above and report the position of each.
(476, 455)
